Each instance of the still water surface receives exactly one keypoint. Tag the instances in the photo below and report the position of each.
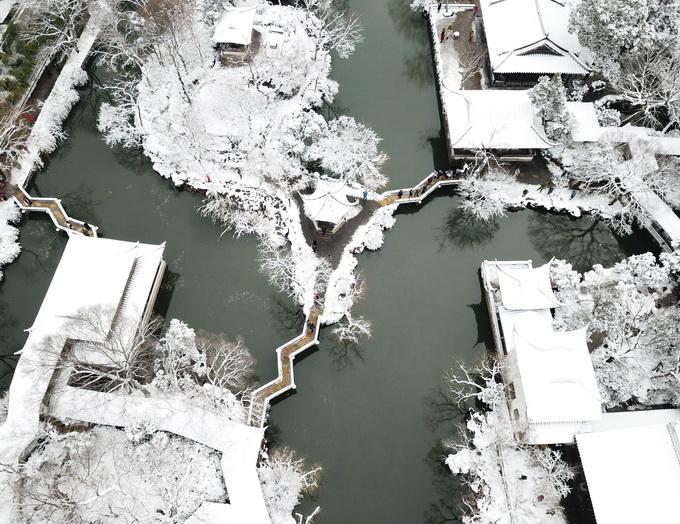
(369, 414)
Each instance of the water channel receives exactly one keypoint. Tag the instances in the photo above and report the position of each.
(368, 414)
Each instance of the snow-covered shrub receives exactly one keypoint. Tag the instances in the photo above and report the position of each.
(285, 480)
(549, 97)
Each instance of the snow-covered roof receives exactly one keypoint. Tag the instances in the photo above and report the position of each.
(586, 126)
(523, 321)
(557, 375)
(531, 36)
(633, 474)
(92, 272)
(493, 119)
(329, 203)
(632, 419)
(526, 288)
(235, 26)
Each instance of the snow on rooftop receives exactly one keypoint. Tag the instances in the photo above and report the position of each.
(523, 321)
(493, 119)
(630, 419)
(586, 126)
(531, 36)
(526, 288)
(633, 474)
(557, 376)
(92, 272)
(329, 203)
(235, 26)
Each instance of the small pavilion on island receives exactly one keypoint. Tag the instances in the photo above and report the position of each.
(234, 32)
(330, 205)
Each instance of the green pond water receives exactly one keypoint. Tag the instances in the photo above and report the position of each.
(370, 415)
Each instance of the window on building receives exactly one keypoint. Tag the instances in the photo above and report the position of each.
(515, 413)
(511, 391)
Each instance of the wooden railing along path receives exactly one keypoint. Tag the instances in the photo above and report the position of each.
(285, 355)
(418, 193)
(53, 207)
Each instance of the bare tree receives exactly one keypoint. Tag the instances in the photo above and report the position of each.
(480, 382)
(650, 83)
(470, 61)
(350, 328)
(98, 349)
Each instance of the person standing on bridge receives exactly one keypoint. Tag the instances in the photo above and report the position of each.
(400, 194)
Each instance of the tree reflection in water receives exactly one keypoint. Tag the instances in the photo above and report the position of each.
(412, 25)
(465, 231)
(582, 242)
(346, 354)
(448, 506)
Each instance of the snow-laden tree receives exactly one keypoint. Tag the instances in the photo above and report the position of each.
(350, 329)
(13, 132)
(112, 353)
(59, 21)
(635, 46)
(549, 97)
(602, 168)
(611, 29)
(349, 150)
(285, 479)
(633, 317)
(483, 192)
(507, 482)
(649, 83)
(117, 121)
(335, 29)
(212, 371)
(107, 475)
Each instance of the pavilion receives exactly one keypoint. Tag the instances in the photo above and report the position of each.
(330, 205)
(234, 32)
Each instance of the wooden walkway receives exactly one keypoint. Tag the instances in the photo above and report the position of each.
(285, 356)
(285, 381)
(53, 207)
(418, 193)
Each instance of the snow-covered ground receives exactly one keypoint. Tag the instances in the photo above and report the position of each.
(340, 293)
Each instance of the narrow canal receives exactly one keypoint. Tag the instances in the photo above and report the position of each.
(370, 415)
